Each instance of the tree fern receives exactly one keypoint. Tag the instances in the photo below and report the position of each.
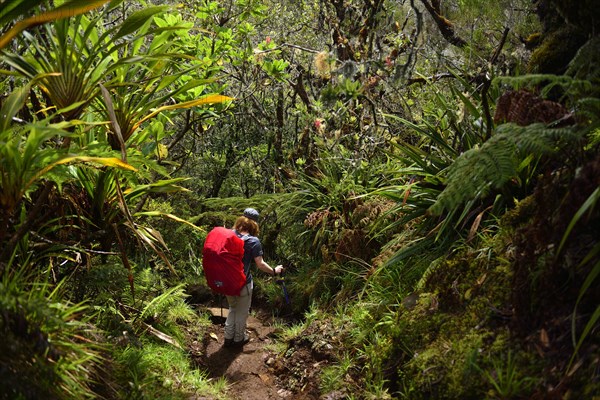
(477, 172)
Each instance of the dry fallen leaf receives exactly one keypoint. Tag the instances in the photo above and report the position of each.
(481, 279)
(544, 338)
(214, 336)
(161, 335)
(575, 367)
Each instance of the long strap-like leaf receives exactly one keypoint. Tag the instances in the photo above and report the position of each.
(66, 10)
(11, 106)
(113, 120)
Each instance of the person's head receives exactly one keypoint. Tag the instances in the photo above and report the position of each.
(248, 222)
(252, 214)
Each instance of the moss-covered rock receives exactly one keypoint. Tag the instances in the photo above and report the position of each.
(556, 51)
(567, 25)
(444, 339)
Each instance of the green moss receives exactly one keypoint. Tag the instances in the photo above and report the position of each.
(533, 40)
(556, 51)
(457, 324)
(521, 214)
(419, 325)
(446, 369)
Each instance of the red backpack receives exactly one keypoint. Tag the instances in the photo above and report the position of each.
(222, 261)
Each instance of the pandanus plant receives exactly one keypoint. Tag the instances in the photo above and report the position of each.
(81, 61)
(30, 165)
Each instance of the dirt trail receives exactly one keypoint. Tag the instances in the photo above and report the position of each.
(247, 370)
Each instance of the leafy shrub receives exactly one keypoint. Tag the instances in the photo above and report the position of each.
(49, 348)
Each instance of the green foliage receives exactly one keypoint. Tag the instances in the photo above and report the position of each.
(441, 362)
(587, 208)
(330, 203)
(76, 59)
(292, 332)
(168, 310)
(162, 371)
(450, 124)
(157, 303)
(271, 290)
(27, 157)
(17, 9)
(79, 58)
(387, 192)
(276, 68)
(101, 281)
(329, 223)
(334, 377)
(149, 331)
(17, 6)
(506, 380)
(424, 344)
(480, 171)
(49, 347)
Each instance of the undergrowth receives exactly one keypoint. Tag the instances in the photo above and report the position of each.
(50, 347)
(149, 330)
(155, 370)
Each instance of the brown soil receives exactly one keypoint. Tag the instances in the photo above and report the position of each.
(255, 372)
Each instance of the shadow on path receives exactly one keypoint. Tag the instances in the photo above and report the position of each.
(246, 369)
(220, 361)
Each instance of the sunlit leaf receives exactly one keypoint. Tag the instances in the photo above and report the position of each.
(106, 161)
(66, 10)
(162, 186)
(210, 99)
(170, 216)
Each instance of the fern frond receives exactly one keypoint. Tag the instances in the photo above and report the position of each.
(538, 139)
(163, 302)
(585, 63)
(546, 81)
(589, 108)
(477, 172)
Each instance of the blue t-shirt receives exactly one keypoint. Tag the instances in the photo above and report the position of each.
(252, 249)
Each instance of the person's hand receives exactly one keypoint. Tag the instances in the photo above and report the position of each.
(278, 269)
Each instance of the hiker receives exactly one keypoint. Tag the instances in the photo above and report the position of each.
(246, 227)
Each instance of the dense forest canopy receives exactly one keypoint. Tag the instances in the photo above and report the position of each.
(427, 172)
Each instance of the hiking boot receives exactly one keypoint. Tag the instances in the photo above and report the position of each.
(228, 343)
(241, 343)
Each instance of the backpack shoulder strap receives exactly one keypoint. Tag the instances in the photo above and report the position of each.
(243, 237)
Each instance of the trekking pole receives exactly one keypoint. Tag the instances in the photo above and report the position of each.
(221, 305)
(281, 281)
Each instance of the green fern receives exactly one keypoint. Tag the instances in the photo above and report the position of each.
(547, 82)
(479, 171)
(588, 109)
(585, 65)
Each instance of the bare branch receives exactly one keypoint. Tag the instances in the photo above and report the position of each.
(445, 26)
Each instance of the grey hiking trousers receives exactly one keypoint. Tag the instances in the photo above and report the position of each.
(239, 308)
